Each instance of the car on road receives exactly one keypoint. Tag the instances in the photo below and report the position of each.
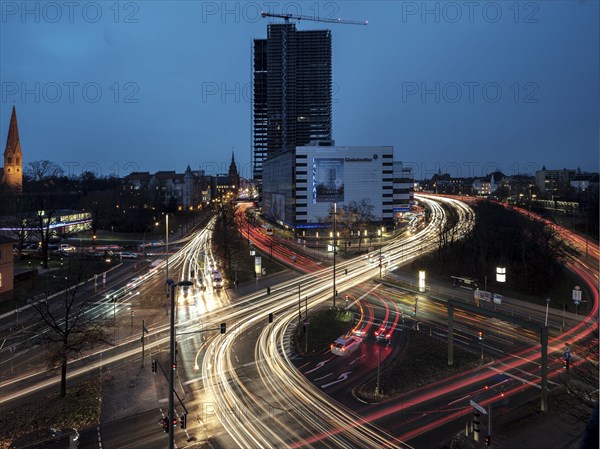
(217, 281)
(134, 283)
(128, 255)
(344, 346)
(384, 333)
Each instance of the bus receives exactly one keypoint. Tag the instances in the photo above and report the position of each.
(268, 229)
(344, 346)
(464, 282)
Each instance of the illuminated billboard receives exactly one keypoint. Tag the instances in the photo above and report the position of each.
(327, 180)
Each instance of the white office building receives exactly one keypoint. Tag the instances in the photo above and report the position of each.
(300, 187)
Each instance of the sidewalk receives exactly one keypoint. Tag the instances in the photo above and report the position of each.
(128, 390)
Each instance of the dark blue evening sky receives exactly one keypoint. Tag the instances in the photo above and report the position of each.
(465, 87)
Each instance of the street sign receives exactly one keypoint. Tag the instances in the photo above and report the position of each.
(567, 355)
(577, 295)
(476, 406)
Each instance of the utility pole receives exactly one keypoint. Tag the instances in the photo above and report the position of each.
(171, 368)
(334, 248)
(378, 369)
(167, 243)
(380, 261)
(299, 306)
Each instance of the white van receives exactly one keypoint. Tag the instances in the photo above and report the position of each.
(217, 281)
(344, 346)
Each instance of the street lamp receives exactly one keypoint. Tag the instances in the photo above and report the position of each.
(500, 274)
(172, 284)
(334, 248)
(547, 304)
(144, 238)
(167, 247)
(422, 287)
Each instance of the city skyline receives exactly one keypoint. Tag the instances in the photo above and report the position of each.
(155, 86)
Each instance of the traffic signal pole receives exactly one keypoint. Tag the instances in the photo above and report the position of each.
(544, 362)
(171, 365)
(450, 334)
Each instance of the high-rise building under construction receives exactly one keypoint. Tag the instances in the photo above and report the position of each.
(292, 91)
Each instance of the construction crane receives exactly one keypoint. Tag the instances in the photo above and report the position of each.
(298, 17)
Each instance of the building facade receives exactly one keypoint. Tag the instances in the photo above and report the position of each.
(554, 182)
(292, 91)
(300, 187)
(404, 183)
(6, 268)
(11, 175)
(186, 190)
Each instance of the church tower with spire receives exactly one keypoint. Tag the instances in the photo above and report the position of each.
(12, 175)
(234, 176)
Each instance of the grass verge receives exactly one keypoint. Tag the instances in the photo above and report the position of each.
(324, 327)
(423, 360)
(79, 409)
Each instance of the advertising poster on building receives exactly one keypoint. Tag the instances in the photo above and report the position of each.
(278, 206)
(328, 180)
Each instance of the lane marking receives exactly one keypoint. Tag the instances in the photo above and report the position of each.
(323, 377)
(342, 378)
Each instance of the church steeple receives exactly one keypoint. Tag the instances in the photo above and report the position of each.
(234, 177)
(13, 158)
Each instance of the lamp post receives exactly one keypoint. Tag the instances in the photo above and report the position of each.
(334, 247)
(144, 238)
(547, 304)
(172, 286)
(167, 247)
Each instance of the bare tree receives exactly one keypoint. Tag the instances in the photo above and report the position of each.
(352, 218)
(582, 378)
(68, 330)
(43, 221)
(225, 233)
(44, 169)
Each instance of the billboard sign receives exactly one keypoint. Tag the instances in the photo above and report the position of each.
(327, 180)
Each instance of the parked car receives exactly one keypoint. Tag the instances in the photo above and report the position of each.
(66, 248)
(48, 438)
(128, 255)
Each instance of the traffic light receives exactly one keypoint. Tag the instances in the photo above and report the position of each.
(174, 422)
(414, 310)
(183, 421)
(566, 363)
(223, 328)
(270, 317)
(154, 366)
(174, 366)
(480, 335)
(488, 440)
(165, 424)
(268, 290)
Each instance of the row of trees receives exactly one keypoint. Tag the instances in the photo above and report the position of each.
(532, 251)
(46, 190)
(352, 219)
